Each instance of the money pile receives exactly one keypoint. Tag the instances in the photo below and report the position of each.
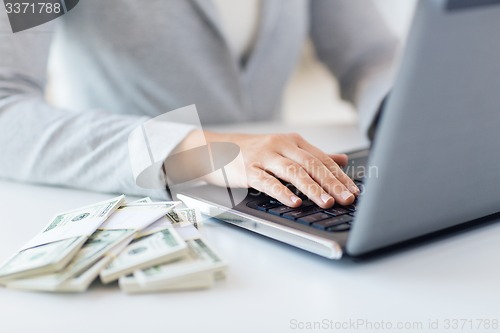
(146, 246)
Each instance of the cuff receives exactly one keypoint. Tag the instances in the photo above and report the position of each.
(149, 145)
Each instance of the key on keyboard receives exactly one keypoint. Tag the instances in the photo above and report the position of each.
(335, 219)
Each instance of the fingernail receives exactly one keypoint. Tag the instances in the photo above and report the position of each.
(354, 189)
(346, 195)
(325, 198)
(294, 199)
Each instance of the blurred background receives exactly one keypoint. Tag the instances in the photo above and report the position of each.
(312, 94)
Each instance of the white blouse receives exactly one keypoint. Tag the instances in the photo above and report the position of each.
(240, 22)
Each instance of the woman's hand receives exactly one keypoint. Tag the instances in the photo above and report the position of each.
(288, 157)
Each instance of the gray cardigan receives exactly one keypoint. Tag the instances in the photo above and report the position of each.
(121, 62)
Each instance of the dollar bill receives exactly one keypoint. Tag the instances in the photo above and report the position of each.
(151, 204)
(162, 224)
(161, 247)
(130, 285)
(40, 259)
(149, 246)
(170, 219)
(201, 258)
(96, 247)
(98, 211)
(138, 216)
(134, 217)
(76, 284)
(53, 248)
(192, 215)
(82, 281)
(176, 218)
(141, 201)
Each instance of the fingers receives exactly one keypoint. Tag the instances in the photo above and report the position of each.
(264, 182)
(331, 165)
(290, 158)
(296, 174)
(322, 175)
(340, 159)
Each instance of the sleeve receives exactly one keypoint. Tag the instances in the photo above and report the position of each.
(352, 39)
(43, 144)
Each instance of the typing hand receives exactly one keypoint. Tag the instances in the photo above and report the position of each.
(288, 157)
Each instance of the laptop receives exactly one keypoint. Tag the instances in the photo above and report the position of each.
(434, 163)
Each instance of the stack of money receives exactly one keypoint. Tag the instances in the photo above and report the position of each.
(198, 268)
(147, 246)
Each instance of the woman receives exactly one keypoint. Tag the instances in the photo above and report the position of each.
(116, 63)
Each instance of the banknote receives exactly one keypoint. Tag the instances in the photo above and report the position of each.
(82, 281)
(41, 259)
(76, 284)
(162, 224)
(130, 285)
(158, 248)
(99, 244)
(138, 216)
(97, 211)
(192, 215)
(96, 247)
(170, 219)
(53, 248)
(143, 200)
(148, 246)
(175, 218)
(201, 258)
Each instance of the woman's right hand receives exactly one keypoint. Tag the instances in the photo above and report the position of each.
(268, 158)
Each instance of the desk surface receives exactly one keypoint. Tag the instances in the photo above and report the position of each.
(270, 287)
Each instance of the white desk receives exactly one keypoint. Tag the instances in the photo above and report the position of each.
(268, 285)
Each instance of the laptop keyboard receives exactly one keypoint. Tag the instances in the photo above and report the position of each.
(336, 219)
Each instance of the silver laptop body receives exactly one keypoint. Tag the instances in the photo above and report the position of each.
(437, 149)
